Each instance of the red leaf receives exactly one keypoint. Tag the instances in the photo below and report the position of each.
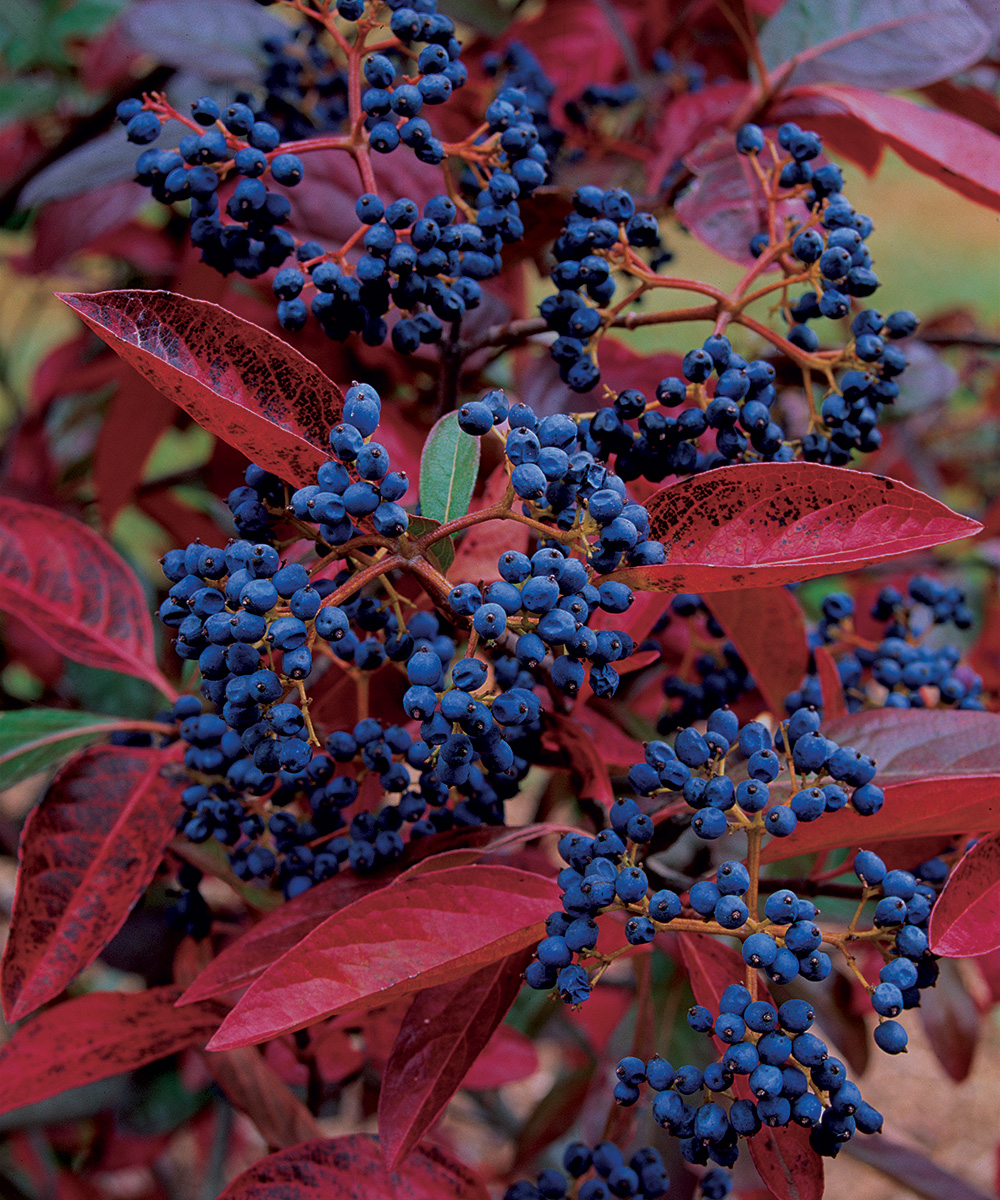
(689, 120)
(768, 523)
(424, 931)
(965, 921)
(94, 1036)
(834, 706)
(509, 1057)
(71, 588)
(959, 153)
(66, 226)
(951, 1021)
(88, 851)
(256, 1089)
(351, 1168)
(443, 1033)
(584, 756)
(240, 382)
(137, 414)
(481, 546)
(766, 627)
(783, 1157)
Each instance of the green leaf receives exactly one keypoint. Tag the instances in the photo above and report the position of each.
(448, 468)
(34, 739)
(111, 693)
(443, 552)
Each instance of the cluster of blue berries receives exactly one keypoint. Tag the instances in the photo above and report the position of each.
(903, 669)
(780, 1071)
(428, 265)
(602, 1173)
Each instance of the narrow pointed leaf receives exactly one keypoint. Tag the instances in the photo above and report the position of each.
(352, 1168)
(442, 1035)
(94, 1036)
(965, 920)
(71, 588)
(873, 43)
(240, 382)
(88, 851)
(448, 468)
(34, 739)
(765, 524)
(426, 930)
(783, 1157)
(767, 628)
(256, 1089)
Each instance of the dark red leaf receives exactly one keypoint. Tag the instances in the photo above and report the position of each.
(955, 151)
(71, 588)
(688, 120)
(88, 851)
(509, 1056)
(951, 1021)
(136, 416)
(351, 1168)
(256, 1089)
(913, 1170)
(965, 921)
(585, 757)
(182, 521)
(425, 930)
(481, 546)
(240, 382)
(834, 705)
(783, 1157)
(768, 523)
(95, 1036)
(766, 627)
(443, 1033)
(66, 226)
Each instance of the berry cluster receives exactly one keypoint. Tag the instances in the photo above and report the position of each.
(901, 669)
(780, 1071)
(600, 1174)
(427, 264)
(261, 627)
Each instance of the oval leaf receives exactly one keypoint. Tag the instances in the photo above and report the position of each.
(426, 930)
(351, 1168)
(33, 739)
(240, 382)
(783, 1157)
(71, 588)
(94, 1036)
(965, 920)
(768, 523)
(87, 853)
(448, 469)
(442, 1035)
(951, 149)
(873, 43)
(766, 627)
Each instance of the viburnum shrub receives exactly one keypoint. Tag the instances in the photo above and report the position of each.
(487, 690)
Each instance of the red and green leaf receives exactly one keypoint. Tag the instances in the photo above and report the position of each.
(88, 852)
